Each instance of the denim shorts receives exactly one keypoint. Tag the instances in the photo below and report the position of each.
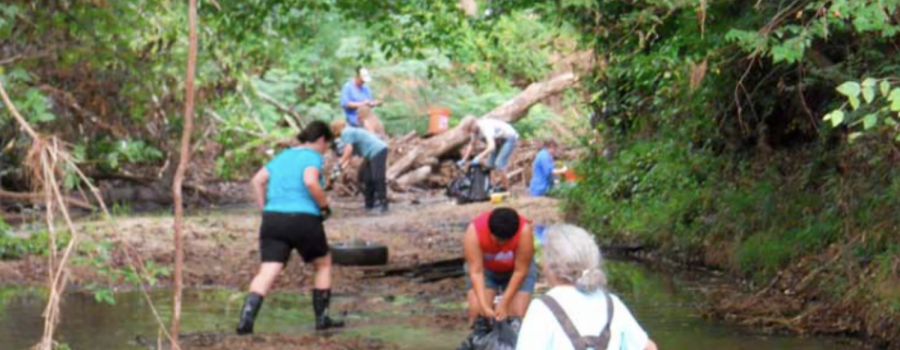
(499, 281)
(499, 160)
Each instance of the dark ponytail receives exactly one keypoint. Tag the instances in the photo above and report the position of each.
(314, 131)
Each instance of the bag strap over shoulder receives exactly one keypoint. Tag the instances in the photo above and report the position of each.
(578, 342)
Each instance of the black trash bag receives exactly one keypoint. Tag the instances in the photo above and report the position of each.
(491, 335)
(473, 185)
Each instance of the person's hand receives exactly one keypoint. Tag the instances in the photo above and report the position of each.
(502, 312)
(325, 212)
(375, 103)
(488, 313)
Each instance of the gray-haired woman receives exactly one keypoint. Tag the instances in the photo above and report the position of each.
(576, 312)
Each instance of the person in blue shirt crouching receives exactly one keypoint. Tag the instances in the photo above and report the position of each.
(289, 191)
(543, 171)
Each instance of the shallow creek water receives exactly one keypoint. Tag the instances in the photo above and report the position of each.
(665, 304)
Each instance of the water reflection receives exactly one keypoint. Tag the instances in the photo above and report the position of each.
(664, 303)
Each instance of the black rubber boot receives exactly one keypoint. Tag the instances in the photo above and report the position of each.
(252, 304)
(321, 301)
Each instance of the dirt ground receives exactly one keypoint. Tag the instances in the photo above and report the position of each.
(280, 342)
(221, 250)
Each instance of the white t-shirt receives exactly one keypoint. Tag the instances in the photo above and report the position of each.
(495, 129)
(541, 331)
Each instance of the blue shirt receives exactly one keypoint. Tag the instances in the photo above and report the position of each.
(353, 93)
(542, 174)
(365, 144)
(286, 192)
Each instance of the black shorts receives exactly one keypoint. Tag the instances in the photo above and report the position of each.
(282, 232)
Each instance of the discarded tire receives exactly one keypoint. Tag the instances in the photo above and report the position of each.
(359, 254)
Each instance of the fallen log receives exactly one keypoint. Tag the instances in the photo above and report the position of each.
(414, 177)
(415, 269)
(510, 112)
(38, 198)
(403, 164)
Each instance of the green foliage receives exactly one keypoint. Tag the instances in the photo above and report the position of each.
(13, 247)
(868, 108)
(652, 192)
(685, 201)
(103, 258)
(765, 253)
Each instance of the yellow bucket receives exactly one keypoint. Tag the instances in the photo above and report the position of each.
(499, 198)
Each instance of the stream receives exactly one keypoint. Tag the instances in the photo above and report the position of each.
(665, 304)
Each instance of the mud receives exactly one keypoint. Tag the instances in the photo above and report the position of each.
(219, 341)
(221, 251)
(221, 247)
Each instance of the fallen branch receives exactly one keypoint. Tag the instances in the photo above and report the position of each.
(36, 198)
(298, 119)
(515, 173)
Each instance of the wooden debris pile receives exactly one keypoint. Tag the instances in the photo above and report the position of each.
(417, 164)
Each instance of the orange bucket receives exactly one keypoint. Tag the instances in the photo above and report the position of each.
(438, 120)
(571, 176)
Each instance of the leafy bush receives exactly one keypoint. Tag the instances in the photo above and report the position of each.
(652, 191)
(13, 247)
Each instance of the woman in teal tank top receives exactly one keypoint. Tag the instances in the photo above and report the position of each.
(289, 190)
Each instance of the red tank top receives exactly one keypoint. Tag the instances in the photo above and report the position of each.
(497, 258)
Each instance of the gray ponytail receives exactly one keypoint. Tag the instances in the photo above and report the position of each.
(591, 280)
(573, 257)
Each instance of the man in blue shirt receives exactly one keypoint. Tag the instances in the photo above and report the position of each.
(356, 94)
(374, 151)
(543, 172)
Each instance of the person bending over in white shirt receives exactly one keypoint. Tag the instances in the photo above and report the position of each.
(500, 139)
(578, 313)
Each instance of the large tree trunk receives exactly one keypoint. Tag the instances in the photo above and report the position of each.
(510, 112)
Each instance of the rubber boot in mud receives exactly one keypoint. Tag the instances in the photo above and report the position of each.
(252, 304)
(321, 302)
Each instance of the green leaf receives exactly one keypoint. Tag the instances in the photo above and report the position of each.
(836, 117)
(855, 135)
(854, 102)
(890, 122)
(869, 121)
(898, 138)
(868, 90)
(849, 89)
(868, 94)
(894, 97)
(885, 88)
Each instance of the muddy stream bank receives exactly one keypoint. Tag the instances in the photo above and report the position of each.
(383, 313)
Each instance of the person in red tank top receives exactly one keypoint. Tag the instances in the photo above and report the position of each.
(499, 252)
